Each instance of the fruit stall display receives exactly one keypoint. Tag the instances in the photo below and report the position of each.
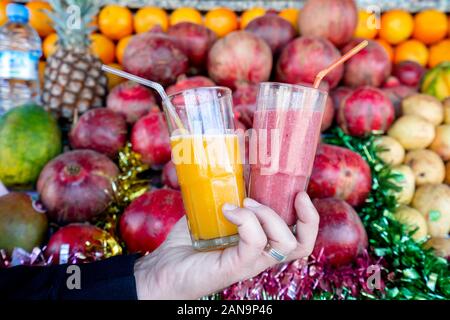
(95, 156)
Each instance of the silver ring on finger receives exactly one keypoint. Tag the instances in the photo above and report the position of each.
(277, 255)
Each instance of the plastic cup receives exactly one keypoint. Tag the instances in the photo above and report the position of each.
(286, 130)
(207, 157)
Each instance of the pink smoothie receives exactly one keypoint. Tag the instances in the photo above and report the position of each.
(281, 170)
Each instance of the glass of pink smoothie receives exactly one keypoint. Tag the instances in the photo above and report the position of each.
(286, 130)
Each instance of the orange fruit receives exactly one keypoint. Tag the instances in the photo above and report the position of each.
(3, 17)
(148, 17)
(103, 48)
(412, 50)
(367, 27)
(50, 45)
(250, 14)
(222, 21)
(291, 15)
(120, 48)
(39, 19)
(115, 22)
(396, 26)
(42, 65)
(430, 26)
(387, 47)
(439, 52)
(186, 15)
(114, 80)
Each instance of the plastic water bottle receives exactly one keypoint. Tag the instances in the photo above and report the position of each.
(20, 50)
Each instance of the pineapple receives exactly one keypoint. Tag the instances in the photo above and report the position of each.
(73, 79)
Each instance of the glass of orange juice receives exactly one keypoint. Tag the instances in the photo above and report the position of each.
(207, 156)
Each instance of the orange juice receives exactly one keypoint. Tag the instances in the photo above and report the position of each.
(210, 173)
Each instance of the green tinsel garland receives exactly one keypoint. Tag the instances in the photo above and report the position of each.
(413, 272)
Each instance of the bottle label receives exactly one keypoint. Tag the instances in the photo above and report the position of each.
(19, 65)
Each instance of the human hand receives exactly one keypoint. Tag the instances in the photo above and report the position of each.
(177, 271)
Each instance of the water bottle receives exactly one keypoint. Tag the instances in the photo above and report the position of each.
(20, 50)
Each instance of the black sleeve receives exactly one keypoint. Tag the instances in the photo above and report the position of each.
(111, 279)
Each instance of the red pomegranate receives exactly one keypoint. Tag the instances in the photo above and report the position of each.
(131, 100)
(169, 176)
(148, 220)
(150, 138)
(397, 94)
(391, 82)
(340, 173)
(365, 110)
(77, 185)
(370, 67)
(244, 103)
(239, 57)
(185, 83)
(341, 236)
(409, 73)
(101, 130)
(195, 40)
(155, 56)
(335, 20)
(81, 241)
(338, 95)
(303, 58)
(273, 29)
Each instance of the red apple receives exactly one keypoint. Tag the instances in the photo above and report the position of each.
(101, 130)
(341, 236)
(148, 220)
(131, 100)
(365, 110)
(150, 138)
(340, 173)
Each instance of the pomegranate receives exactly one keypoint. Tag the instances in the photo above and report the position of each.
(303, 58)
(148, 220)
(184, 83)
(244, 103)
(340, 173)
(391, 82)
(150, 138)
(195, 40)
(335, 20)
(341, 236)
(131, 100)
(169, 176)
(101, 130)
(239, 57)
(397, 94)
(77, 185)
(82, 240)
(365, 110)
(371, 66)
(274, 30)
(328, 115)
(155, 56)
(409, 73)
(338, 95)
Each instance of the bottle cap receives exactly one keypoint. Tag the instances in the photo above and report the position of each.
(17, 13)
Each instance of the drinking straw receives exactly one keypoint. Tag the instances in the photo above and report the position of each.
(154, 85)
(322, 74)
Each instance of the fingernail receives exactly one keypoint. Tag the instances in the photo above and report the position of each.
(251, 203)
(228, 207)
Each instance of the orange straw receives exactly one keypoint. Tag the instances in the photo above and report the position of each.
(322, 74)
